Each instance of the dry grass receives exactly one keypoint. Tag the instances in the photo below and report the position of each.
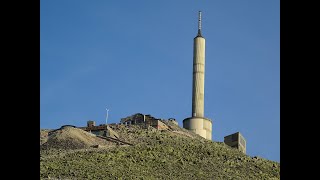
(170, 154)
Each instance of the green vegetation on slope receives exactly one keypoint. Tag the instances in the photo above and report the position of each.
(156, 155)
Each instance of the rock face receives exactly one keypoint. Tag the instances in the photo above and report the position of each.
(157, 154)
(43, 135)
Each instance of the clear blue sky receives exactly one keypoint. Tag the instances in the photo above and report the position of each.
(136, 57)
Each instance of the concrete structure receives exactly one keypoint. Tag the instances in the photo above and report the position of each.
(144, 121)
(237, 141)
(101, 130)
(137, 118)
(91, 123)
(110, 133)
(197, 122)
(158, 125)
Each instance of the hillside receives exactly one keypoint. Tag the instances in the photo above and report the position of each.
(170, 154)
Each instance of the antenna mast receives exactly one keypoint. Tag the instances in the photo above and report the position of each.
(199, 25)
(199, 22)
(107, 117)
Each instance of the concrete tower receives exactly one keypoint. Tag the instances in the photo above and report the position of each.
(197, 122)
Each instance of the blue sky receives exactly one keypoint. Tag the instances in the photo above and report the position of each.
(136, 57)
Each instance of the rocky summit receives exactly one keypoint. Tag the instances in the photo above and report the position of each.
(176, 153)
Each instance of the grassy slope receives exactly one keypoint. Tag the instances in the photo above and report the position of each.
(157, 155)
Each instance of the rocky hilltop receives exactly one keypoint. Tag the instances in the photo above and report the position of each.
(176, 153)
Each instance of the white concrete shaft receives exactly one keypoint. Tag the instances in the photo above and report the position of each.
(198, 77)
(199, 125)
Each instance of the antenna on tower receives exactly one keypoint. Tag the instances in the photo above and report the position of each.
(199, 25)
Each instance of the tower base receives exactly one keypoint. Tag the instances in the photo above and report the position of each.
(199, 125)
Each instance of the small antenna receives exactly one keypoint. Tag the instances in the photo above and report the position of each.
(107, 117)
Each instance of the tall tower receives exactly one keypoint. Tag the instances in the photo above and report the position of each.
(197, 122)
